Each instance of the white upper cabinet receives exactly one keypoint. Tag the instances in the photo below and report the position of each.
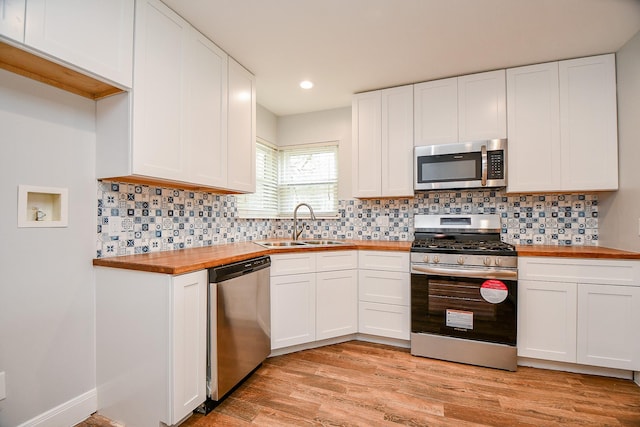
(241, 147)
(382, 143)
(159, 85)
(460, 109)
(436, 112)
(12, 19)
(93, 35)
(190, 118)
(206, 112)
(589, 123)
(534, 128)
(563, 126)
(482, 112)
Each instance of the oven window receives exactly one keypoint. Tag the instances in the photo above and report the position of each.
(450, 167)
(456, 307)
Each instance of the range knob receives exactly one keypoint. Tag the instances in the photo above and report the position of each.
(486, 261)
(498, 261)
(436, 259)
(426, 258)
(460, 260)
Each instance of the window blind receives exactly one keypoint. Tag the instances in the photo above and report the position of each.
(309, 174)
(292, 175)
(264, 202)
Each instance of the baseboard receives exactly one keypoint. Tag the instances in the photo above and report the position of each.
(69, 413)
(636, 378)
(575, 368)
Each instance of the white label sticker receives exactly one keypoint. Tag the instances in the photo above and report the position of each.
(460, 319)
(494, 291)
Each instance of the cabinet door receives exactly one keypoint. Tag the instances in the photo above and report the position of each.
(241, 150)
(387, 287)
(588, 123)
(397, 142)
(385, 320)
(12, 19)
(436, 112)
(366, 142)
(547, 320)
(161, 38)
(608, 324)
(94, 35)
(482, 110)
(206, 112)
(336, 303)
(189, 343)
(534, 128)
(293, 310)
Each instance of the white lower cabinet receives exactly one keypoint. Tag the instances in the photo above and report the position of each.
(584, 311)
(383, 294)
(609, 320)
(151, 349)
(313, 296)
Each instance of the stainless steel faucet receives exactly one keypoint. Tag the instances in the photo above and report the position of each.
(297, 233)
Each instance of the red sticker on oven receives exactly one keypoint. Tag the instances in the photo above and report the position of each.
(494, 291)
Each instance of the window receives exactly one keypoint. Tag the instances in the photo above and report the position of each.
(306, 173)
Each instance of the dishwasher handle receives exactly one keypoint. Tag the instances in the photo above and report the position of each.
(237, 269)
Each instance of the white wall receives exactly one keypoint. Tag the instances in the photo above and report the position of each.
(620, 211)
(266, 124)
(322, 126)
(47, 309)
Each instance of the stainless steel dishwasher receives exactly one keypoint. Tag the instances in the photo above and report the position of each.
(239, 337)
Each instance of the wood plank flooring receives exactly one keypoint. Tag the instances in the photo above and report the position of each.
(364, 384)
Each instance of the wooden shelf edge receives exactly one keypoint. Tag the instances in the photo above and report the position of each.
(34, 67)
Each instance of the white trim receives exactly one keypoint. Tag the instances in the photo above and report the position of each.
(636, 378)
(69, 413)
(575, 368)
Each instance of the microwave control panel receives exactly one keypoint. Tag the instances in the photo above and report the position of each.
(495, 167)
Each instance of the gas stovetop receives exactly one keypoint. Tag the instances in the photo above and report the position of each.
(477, 247)
(460, 234)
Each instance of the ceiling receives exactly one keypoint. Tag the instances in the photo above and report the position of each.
(350, 46)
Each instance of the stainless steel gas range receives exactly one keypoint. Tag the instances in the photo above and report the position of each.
(464, 283)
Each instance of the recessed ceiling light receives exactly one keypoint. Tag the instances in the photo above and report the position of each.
(306, 84)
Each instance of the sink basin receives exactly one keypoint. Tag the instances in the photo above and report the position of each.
(322, 242)
(297, 243)
(285, 244)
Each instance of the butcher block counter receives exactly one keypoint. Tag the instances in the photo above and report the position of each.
(187, 260)
(574, 252)
(193, 259)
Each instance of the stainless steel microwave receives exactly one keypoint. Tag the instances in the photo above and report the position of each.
(477, 164)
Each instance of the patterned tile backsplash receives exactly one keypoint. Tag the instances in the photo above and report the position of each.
(135, 219)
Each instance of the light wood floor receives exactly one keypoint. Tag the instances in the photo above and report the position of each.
(364, 384)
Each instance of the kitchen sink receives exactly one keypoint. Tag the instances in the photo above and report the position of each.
(286, 244)
(322, 242)
(297, 243)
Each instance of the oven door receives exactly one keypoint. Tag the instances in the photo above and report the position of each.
(473, 308)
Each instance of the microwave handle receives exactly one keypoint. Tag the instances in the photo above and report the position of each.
(483, 153)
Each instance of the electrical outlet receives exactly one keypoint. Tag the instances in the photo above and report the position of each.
(3, 388)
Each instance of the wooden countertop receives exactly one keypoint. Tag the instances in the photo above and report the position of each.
(575, 252)
(187, 260)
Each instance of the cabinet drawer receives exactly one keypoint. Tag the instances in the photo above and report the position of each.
(614, 272)
(388, 287)
(294, 263)
(336, 260)
(384, 260)
(385, 320)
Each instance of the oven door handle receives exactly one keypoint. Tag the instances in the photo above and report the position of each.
(484, 274)
(483, 154)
